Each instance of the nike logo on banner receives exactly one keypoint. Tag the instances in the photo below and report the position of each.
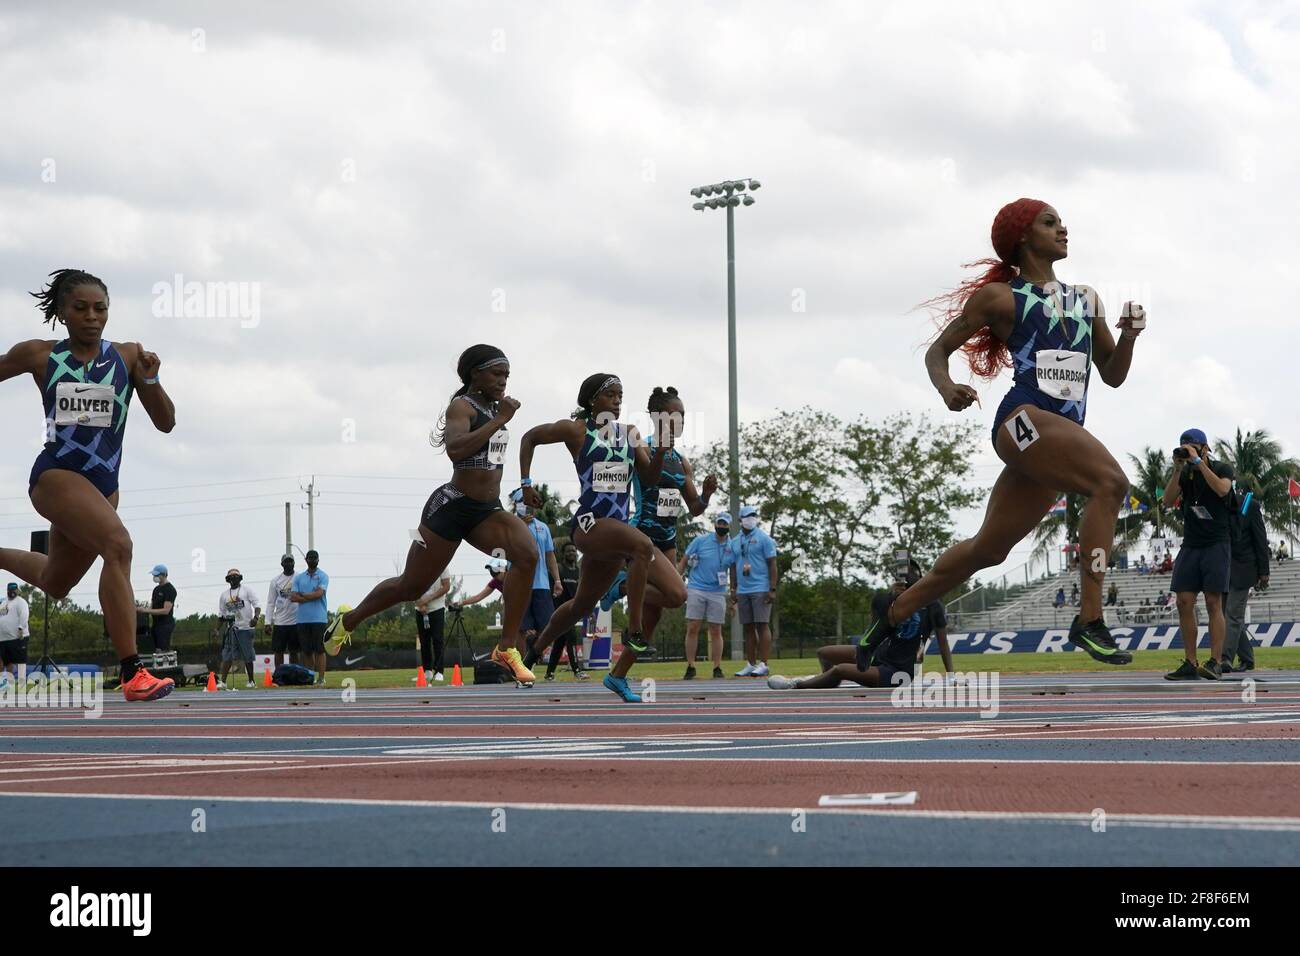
(349, 661)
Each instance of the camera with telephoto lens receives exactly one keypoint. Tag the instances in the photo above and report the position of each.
(1181, 452)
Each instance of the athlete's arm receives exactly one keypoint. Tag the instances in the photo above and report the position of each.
(649, 468)
(459, 441)
(695, 501)
(1112, 360)
(992, 306)
(567, 431)
(25, 358)
(145, 365)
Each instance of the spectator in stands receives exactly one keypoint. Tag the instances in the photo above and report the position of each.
(1074, 596)
(161, 610)
(14, 629)
(1112, 594)
(1143, 567)
(1249, 570)
(1122, 611)
(1142, 614)
(1167, 565)
(1059, 600)
(1281, 551)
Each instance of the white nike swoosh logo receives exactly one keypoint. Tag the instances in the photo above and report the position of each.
(103, 364)
(349, 661)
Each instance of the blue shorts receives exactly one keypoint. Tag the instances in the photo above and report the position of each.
(1203, 570)
(1019, 395)
(538, 613)
(104, 481)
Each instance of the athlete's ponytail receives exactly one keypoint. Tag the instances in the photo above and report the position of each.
(471, 360)
(985, 352)
(50, 299)
(592, 386)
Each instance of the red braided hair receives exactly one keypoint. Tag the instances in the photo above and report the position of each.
(985, 352)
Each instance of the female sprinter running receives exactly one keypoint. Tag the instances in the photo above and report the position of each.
(86, 384)
(1017, 315)
(605, 453)
(658, 506)
(467, 508)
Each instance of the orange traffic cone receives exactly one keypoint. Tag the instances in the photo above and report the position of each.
(212, 683)
(455, 677)
(266, 678)
(420, 679)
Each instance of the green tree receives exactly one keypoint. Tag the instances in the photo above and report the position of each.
(1256, 458)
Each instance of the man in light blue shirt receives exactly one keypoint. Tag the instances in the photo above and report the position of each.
(309, 593)
(708, 558)
(754, 557)
(546, 579)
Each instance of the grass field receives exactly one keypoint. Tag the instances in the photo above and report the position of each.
(1058, 663)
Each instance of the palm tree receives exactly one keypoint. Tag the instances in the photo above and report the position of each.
(1053, 526)
(1151, 472)
(1256, 459)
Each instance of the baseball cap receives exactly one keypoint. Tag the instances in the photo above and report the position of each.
(1195, 436)
(159, 569)
(497, 564)
(748, 511)
(722, 518)
(517, 495)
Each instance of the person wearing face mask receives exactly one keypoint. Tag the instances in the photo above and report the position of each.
(238, 603)
(546, 577)
(14, 630)
(753, 589)
(282, 615)
(310, 590)
(708, 557)
(162, 610)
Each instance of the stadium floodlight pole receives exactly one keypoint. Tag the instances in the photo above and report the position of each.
(728, 195)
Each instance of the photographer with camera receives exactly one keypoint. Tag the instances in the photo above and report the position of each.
(1202, 490)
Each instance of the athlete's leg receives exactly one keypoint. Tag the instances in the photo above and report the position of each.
(832, 654)
(664, 589)
(84, 524)
(1064, 457)
(594, 578)
(423, 565)
(840, 672)
(504, 535)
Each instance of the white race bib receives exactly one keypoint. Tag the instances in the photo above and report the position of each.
(669, 504)
(611, 477)
(497, 445)
(1061, 373)
(77, 403)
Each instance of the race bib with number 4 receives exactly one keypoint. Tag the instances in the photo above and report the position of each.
(669, 503)
(77, 403)
(1061, 373)
(1022, 429)
(611, 477)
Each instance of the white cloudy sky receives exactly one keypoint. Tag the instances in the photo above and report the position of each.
(384, 173)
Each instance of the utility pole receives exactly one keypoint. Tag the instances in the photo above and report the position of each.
(288, 530)
(312, 495)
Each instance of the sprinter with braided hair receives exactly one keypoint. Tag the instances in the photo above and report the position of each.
(86, 383)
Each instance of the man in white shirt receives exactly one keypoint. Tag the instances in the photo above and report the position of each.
(430, 615)
(238, 604)
(282, 616)
(14, 630)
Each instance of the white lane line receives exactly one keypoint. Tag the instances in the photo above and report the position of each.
(1286, 824)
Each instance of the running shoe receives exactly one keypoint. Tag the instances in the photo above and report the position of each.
(761, 669)
(1210, 670)
(550, 675)
(746, 671)
(335, 635)
(637, 642)
(1225, 667)
(619, 686)
(1096, 640)
(612, 596)
(777, 682)
(1246, 666)
(438, 677)
(1186, 671)
(581, 675)
(690, 672)
(717, 673)
(512, 662)
(144, 686)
